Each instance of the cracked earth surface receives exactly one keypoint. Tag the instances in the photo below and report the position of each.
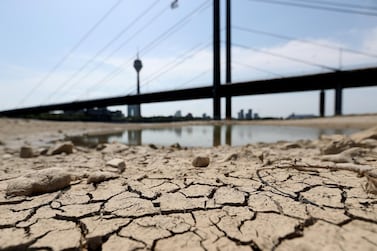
(254, 197)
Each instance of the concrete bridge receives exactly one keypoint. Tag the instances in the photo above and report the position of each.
(333, 80)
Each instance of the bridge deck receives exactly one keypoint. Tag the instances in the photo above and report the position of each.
(322, 81)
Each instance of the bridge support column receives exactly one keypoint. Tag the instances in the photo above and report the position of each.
(216, 60)
(322, 98)
(228, 73)
(228, 108)
(338, 99)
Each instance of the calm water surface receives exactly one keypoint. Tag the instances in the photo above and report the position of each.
(210, 135)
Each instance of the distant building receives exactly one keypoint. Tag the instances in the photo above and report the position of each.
(301, 116)
(205, 116)
(103, 114)
(178, 114)
(97, 114)
(240, 114)
(249, 114)
(256, 116)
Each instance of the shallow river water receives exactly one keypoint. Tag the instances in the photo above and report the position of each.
(210, 135)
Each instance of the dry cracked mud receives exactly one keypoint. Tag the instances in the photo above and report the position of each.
(281, 196)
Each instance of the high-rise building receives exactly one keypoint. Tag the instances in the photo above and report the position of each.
(249, 114)
(178, 114)
(240, 114)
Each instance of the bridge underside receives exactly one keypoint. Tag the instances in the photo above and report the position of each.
(324, 81)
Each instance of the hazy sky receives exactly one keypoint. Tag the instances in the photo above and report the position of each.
(53, 51)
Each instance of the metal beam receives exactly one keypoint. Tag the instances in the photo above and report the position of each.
(314, 82)
(185, 94)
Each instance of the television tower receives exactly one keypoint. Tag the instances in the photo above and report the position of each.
(134, 110)
(138, 65)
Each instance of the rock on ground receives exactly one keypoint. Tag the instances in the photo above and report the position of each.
(100, 176)
(43, 181)
(65, 147)
(26, 152)
(200, 161)
(117, 163)
(338, 145)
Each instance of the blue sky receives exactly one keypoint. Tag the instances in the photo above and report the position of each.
(38, 34)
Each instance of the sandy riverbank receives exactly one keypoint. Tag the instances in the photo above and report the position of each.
(304, 195)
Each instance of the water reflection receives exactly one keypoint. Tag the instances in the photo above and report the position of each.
(134, 137)
(178, 131)
(93, 140)
(228, 135)
(216, 135)
(208, 135)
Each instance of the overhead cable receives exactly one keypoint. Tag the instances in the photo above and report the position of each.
(154, 43)
(340, 4)
(289, 38)
(178, 61)
(71, 51)
(257, 68)
(100, 51)
(317, 7)
(286, 57)
(201, 74)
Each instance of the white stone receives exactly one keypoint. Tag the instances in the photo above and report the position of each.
(117, 163)
(43, 181)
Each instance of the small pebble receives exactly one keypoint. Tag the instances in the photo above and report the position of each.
(117, 163)
(26, 152)
(98, 177)
(200, 161)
